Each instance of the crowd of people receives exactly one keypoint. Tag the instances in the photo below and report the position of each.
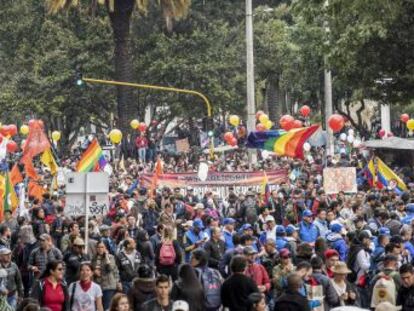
(177, 249)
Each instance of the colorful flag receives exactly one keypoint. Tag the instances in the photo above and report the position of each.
(30, 170)
(2, 192)
(371, 174)
(92, 159)
(158, 170)
(48, 160)
(15, 175)
(35, 190)
(36, 142)
(281, 142)
(386, 177)
(10, 199)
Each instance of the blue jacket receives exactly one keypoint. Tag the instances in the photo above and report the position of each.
(308, 232)
(337, 242)
(376, 257)
(281, 242)
(190, 239)
(322, 226)
(407, 219)
(228, 240)
(410, 248)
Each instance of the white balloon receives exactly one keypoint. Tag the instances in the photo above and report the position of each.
(306, 146)
(351, 132)
(342, 136)
(350, 139)
(203, 171)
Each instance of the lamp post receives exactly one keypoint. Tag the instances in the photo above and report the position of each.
(251, 116)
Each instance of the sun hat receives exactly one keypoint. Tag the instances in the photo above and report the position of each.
(341, 268)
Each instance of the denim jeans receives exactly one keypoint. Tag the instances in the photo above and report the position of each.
(142, 154)
(126, 286)
(12, 301)
(107, 295)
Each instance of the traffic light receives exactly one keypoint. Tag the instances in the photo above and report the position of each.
(208, 125)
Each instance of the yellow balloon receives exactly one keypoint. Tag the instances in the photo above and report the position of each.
(134, 124)
(56, 136)
(234, 120)
(115, 136)
(263, 119)
(268, 124)
(24, 129)
(410, 124)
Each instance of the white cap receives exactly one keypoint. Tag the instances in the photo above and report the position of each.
(180, 305)
(269, 218)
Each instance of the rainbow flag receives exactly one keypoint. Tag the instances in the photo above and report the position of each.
(386, 177)
(92, 159)
(283, 143)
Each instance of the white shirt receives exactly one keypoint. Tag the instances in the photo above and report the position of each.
(84, 301)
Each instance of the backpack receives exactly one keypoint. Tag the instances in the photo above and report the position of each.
(167, 254)
(211, 282)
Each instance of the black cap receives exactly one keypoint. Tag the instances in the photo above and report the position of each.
(397, 239)
(364, 235)
(389, 258)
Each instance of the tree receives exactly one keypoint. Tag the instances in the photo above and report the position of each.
(120, 12)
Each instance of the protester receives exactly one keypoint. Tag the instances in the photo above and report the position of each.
(143, 287)
(120, 303)
(85, 295)
(292, 300)
(162, 301)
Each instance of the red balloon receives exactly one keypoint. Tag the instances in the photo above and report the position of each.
(228, 136)
(4, 130)
(297, 124)
(11, 146)
(336, 122)
(233, 142)
(258, 114)
(305, 110)
(12, 129)
(286, 122)
(260, 127)
(142, 127)
(381, 133)
(404, 117)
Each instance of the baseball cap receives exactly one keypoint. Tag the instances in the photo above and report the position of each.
(280, 230)
(228, 221)
(78, 242)
(284, 253)
(290, 229)
(336, 227)
(331, 253)
(104, 227)
(198, 224)
(307, 213)
(180, 305)
(269, 218)
(365, 234)
(246, 227)
(384, 231)
(5, 251)
(248, 250)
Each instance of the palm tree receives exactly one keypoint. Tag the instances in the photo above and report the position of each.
(120, 12)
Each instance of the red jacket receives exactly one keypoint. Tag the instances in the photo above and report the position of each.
(259, 275)
(141, 142)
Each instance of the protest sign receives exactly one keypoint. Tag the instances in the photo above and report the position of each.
(339, 179)
(182, 145)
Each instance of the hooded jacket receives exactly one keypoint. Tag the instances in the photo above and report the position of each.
(292, 301)
(337, 242)
(142, 290)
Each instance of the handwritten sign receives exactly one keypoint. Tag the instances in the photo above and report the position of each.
(339, 179)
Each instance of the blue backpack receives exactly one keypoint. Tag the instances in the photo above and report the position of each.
(211, 282)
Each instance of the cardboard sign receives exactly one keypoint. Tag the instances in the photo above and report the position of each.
(340, 179)
(182, 145)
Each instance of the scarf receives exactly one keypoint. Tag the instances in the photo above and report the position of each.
(85, 285)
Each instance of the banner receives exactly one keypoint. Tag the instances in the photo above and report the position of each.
(182, 145)
(215, 179)
(339, 179)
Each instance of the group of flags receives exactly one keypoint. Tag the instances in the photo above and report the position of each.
(380, 176)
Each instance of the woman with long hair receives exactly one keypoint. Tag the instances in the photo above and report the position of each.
(85, 294)
(120, 303)
(50, 290)
(106, 273)
(257, 302)
(168, 255)
(188, 288)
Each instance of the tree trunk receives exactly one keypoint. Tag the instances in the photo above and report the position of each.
(120, 22)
